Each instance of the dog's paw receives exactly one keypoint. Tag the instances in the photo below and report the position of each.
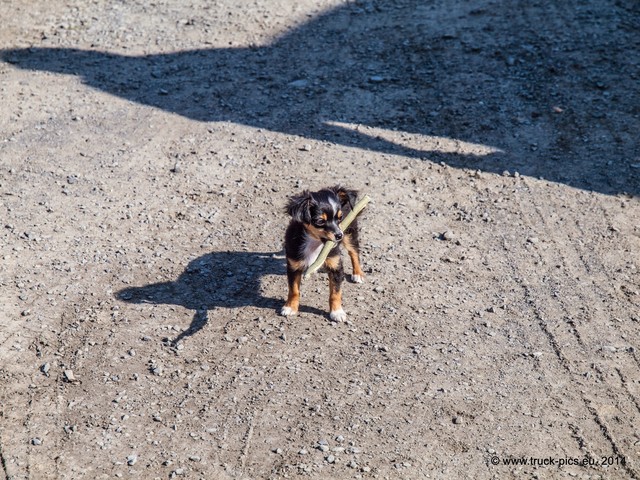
(338, 315)
(287, 311)
(357, 278)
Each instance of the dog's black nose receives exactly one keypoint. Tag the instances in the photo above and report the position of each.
(338, 236)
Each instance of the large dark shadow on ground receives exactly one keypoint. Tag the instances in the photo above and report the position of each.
(218, 279)
(554, 85)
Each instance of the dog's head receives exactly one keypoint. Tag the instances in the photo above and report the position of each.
(321, 212)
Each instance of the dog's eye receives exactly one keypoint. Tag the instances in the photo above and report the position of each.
(320, 222)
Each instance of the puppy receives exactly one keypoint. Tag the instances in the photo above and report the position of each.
(315, 218)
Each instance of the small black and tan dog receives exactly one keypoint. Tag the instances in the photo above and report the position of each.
(315, 218)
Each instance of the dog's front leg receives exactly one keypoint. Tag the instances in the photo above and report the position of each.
(294, 278)
(336, 277)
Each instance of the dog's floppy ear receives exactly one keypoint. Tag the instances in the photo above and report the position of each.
(346, 196)
(299, 207)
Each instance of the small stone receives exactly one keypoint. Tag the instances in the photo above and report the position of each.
(71, 179)
(306, 147)
(457, 420)
(533, 240)
(323, 448)
(68, 375)
(376, 78)
(36, 441)
(176, 168)
(339, 439)
(242, 339)
(537, 354)
(609, 348)
(179, 471)
(277, 451)
(330, 459)
(45, 368)
(302, 451)
(448, 235)
(132, 459)
(378, 289)
(300, 83)
(366, 469)
(352, 464)
(194, 458)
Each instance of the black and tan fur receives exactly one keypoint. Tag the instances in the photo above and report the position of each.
(315, 218)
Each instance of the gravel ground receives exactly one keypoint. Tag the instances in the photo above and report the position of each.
(147, 151)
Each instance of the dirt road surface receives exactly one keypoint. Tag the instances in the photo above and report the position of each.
(146, 152)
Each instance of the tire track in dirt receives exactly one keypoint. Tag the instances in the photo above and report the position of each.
(576, 348)
(583, 305)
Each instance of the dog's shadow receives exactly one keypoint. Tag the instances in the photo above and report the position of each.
(218, 279)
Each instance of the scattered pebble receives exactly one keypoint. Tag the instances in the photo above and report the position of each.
(132, 459)
(69, 377)
(330, 459)
(36, 441)
(300, 83)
